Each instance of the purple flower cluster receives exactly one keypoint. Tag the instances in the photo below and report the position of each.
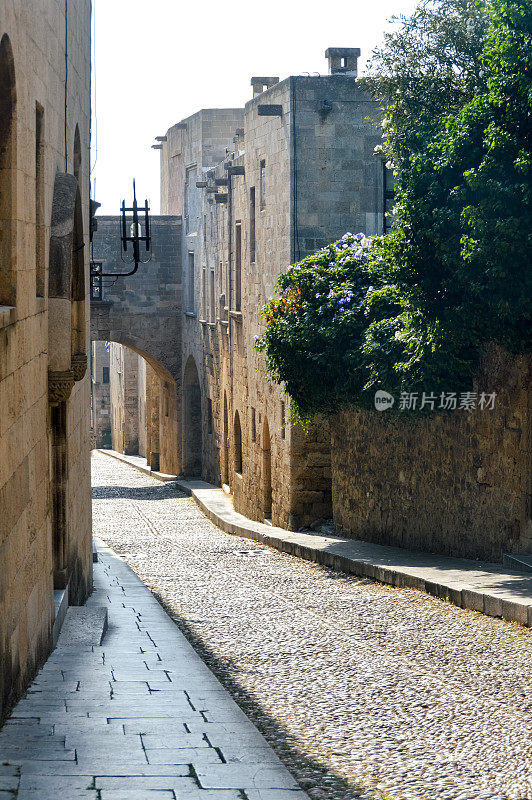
(347, 297)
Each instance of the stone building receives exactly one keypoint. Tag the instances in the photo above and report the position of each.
(259, 188)
(253, 190)
(45, 527)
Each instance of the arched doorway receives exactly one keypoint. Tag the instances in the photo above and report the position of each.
(192, 450)
(237, 439)
(225, 445)
(138, 398)
(77, 156)
(266, 471)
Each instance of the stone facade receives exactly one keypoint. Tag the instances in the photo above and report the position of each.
(256, 189)
(45, 529)
(455, 483)
(292, 171)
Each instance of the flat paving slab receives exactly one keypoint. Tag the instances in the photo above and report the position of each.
(129, 716)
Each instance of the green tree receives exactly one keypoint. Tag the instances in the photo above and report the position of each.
(456, 271)
(428, 67)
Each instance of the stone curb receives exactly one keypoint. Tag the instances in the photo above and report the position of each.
(334, 552)
(469, 584)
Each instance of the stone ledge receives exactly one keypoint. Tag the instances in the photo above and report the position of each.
(83, 625)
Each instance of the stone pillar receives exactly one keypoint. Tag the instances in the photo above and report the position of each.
(141, 382)
(131, 402)
(152, 418)
(168, 427)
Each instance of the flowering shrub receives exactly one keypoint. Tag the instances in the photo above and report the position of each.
(339, 327)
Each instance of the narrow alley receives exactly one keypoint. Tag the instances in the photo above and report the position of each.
(362, 689)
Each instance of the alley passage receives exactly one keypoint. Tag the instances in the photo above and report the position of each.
(399, 694)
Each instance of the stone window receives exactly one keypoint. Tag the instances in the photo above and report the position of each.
(283, 420)
(252, 243)
(191, 200)
(238, 444)
(7, 173)
(212, 315)
(39, 201)
(253, 426)
(205, 301)
(105, 374)
(262, 185)
(238, 266)
(190, 285)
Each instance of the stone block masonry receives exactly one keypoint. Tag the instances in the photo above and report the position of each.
(457, 483)
(143, 313)
(45, 517)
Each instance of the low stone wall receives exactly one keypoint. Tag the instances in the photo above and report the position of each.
(456, 482)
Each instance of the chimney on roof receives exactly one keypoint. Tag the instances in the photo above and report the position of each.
(343, 60)
(260, 84)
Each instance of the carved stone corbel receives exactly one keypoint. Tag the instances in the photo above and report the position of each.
(79, 365)
(60, 385)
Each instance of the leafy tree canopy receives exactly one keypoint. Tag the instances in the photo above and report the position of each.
(412, 309)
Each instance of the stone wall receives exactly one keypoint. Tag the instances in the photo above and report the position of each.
(455, 483)
(45, 520)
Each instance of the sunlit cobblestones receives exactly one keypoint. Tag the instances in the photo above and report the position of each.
(364, 690)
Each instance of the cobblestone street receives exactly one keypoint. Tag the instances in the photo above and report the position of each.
(363, 690)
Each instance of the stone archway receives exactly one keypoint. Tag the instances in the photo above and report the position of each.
(237, 442)
(156, 409)
(225, 445)
(192, 422)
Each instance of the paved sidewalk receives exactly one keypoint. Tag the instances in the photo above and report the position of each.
(490, 588)
(139, 716)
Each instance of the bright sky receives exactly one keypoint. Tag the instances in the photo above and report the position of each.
(159, 61)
